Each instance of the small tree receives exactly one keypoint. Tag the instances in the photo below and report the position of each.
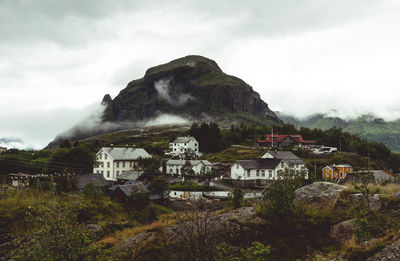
(158, 186)
(363, 188)
(238, 195)
(190, 154)
(187, 169)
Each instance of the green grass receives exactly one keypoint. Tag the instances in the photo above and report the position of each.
(234, 153)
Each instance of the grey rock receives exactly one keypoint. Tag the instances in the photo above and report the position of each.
(390, 252)
(319, 193)
(131, 245)
(97, 229)
(343, 231)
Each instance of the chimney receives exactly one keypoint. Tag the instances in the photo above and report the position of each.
(111, 146)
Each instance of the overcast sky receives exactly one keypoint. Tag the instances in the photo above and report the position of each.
(59, 58)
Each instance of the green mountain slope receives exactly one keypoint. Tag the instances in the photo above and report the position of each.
(367, 126)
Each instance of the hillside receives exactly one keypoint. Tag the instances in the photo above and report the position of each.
(193, 87)
(367, 126)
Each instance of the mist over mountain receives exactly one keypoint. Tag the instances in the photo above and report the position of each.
(367, 126)
(192, 88)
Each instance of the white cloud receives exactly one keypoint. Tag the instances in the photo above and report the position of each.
(302, 56)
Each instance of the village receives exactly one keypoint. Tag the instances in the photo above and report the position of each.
(122, 172)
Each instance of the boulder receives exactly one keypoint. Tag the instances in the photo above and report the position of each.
(343, 231)
(319, 193)
(94, 228)
(390, 252)
(132, 244)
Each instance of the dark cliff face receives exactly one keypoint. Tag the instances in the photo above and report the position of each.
(191, 87)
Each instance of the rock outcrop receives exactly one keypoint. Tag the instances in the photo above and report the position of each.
(343, 231)
(319, 193)
(390, 252)
(133, 244)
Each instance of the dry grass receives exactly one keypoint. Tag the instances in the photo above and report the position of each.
(118, 236)
(386, 189)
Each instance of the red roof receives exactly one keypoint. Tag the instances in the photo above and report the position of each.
(277, 138)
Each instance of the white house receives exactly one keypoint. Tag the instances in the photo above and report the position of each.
(183, 144)
(112, 162)
(257, 169)
(291, 160)
(173, 167)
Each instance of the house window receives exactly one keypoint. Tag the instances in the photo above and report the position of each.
(270, 173)
(100, 156)
(130, 164)
(105, 156)
(248, 173)
(263, 173)
(175, 193)
(123, 164)
(102, 172)
(117, 173)
(117, 164)
(108, 164)
(171, 171)
(108, 173)
(195, 144)
(258, 173)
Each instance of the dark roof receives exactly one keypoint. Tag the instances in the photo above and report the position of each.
(130, 175)
(129, 189)
(96, 179)
(259, 163)
(287, 156)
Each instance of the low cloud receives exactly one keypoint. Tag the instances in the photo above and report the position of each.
(163, 88)
(8, 142)
(166, 119)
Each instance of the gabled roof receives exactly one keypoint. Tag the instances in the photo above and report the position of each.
(278, 138)
(131, 189)
(259, 163)
(126, 153)
(130, 175)
(193, 162)
(287, 156)
(334, 167)
(96, 179)
(183, 139)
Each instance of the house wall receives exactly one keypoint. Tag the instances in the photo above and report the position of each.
(172, 169)
(328, 173)
(105, 165)
(237, 171)
(110, 168)
(180, 148)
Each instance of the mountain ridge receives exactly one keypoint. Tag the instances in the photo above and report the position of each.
(367, 126)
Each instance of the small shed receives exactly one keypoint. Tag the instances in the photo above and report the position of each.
(134, 193)
(97, 180)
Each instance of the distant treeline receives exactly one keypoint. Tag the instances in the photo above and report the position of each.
(213, 139)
